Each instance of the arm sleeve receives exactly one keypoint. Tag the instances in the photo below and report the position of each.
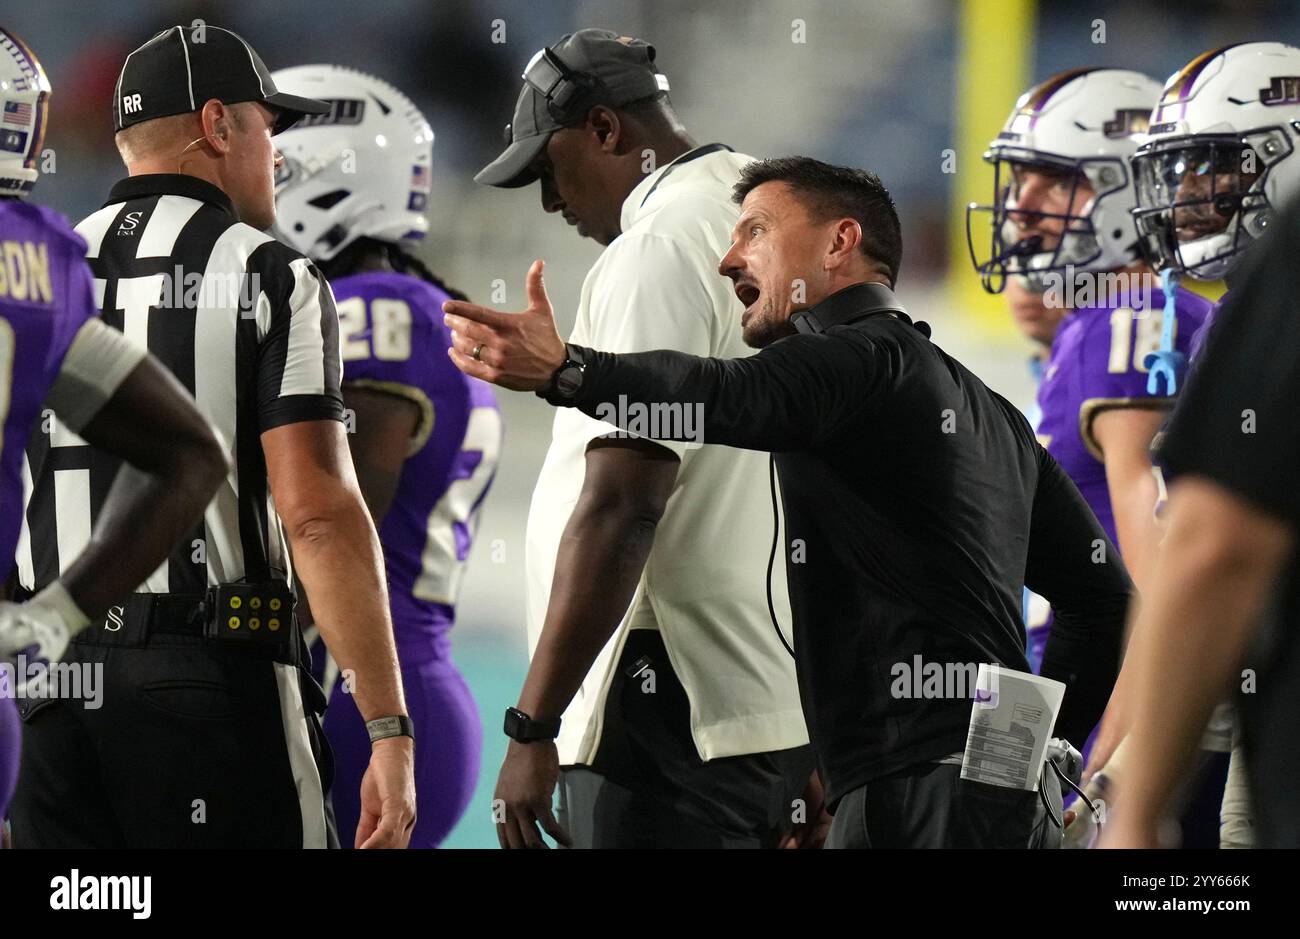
(653, 293)
(1073, 564)
(299, 363)
(794, 394)
(93, 368)
(1235, 424)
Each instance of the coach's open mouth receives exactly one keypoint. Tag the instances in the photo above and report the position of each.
(748, 294)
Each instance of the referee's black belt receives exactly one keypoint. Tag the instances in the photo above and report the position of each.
(229, 614)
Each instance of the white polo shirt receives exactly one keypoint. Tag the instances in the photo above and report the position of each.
(705, 583)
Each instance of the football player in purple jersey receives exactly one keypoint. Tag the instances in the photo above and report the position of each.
(352, 196)
(1061, 222)
(1219, 162)
(1061, 225)
(56, 355)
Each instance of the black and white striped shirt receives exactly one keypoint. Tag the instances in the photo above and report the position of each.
(245, 323)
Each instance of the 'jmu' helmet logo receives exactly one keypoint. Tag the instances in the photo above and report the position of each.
(1126, 123)
(1284, 89)
(343, 112)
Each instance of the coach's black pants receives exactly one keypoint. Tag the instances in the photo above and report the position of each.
(196, 744)
(931, 806)
(648, 787)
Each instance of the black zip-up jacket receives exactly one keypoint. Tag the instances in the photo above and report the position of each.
(917, 506)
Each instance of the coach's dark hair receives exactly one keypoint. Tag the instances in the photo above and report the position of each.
(836, 192)
(348, 261)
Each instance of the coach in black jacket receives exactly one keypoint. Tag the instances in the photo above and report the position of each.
(917, 502)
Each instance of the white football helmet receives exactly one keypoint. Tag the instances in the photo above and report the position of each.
(24, 113)
(1085, 123)
(363, 170)
(1219, 159)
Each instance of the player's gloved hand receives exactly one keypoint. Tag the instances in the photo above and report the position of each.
(31, 631)
(522, 799)
(40, 630)
(388, 795)
(43, 626)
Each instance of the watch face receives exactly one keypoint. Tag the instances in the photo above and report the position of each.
(569, 381)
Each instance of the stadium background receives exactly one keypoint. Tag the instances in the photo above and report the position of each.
(907, 88)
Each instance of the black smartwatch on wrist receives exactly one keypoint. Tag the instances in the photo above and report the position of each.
(567, 380)
(521, 727)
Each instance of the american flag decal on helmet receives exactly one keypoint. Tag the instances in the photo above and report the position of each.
(17, 113)
(420, 186)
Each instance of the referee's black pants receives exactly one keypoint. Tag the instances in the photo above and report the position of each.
(647, 786)
(930, 806)
(196, 743)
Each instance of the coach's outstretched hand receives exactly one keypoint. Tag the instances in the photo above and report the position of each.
(519, 351)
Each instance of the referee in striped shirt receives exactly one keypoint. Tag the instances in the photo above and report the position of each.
(208, 735)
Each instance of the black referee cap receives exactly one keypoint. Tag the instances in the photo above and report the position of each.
(181, 68)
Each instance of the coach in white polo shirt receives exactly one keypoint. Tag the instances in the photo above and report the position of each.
(647, 562)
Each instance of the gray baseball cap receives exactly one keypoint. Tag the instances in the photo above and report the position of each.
(561, 83)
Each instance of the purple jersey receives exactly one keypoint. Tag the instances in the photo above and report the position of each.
(1096, 365)
(393, 340)
(46, 295)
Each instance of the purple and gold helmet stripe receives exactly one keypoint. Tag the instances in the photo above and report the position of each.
(1180, 84)
(1037, 97)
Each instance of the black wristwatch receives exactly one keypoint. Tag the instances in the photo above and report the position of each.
(521, 727)
(381, 728)
(567, 380)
